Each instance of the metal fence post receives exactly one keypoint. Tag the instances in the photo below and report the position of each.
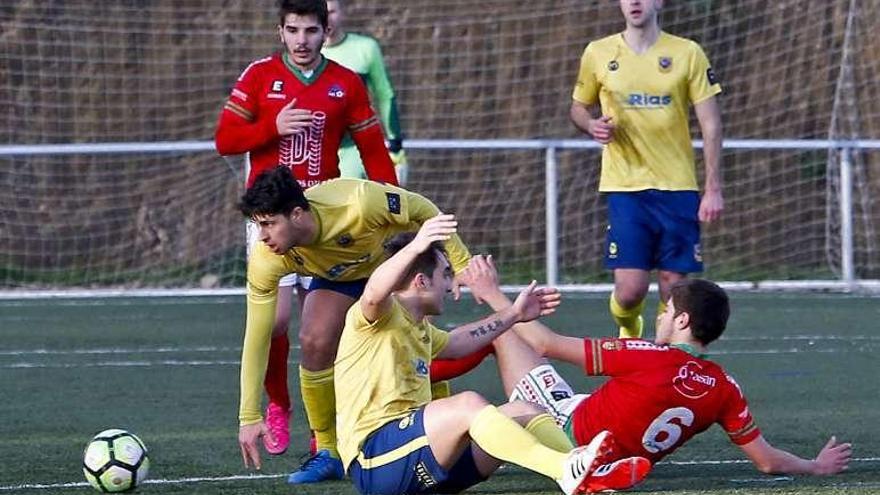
(551, 214)
(847, 267)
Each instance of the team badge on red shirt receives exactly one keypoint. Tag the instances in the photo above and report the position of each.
(335, 92)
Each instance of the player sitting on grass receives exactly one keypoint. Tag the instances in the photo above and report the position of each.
(393, 438)
(660, 394)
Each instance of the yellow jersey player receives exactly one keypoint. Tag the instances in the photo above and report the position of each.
(333, 232)
(633, 94)
(393, 438)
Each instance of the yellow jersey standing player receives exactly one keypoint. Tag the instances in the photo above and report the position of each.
(633, 94)
(363, 55)
(393, 438)
(333, 232)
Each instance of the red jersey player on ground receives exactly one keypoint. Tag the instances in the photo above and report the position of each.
(659, 395)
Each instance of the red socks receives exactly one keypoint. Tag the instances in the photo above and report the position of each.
(276, 372)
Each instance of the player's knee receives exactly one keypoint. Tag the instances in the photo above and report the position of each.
(630, 296)
(315, 345)
(470, 401)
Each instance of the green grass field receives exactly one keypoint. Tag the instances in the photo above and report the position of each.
(167, 369)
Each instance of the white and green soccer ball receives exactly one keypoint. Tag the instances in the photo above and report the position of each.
(115, 461)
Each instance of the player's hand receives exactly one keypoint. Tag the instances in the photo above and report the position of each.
(247, 440)
(439, 228)
(711, 206)
(291, 120)
(533, 302)
(602, 129)
(401, 167)
(482, 278)
(833, 458)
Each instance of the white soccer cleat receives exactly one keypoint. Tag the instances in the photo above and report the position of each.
(582, 461)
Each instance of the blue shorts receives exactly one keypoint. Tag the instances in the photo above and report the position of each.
(414, 470)
(654, 230)
(353, 289)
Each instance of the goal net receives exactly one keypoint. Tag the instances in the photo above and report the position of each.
(119, 71)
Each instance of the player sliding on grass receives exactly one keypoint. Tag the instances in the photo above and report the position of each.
(660, 394)
(392, 438)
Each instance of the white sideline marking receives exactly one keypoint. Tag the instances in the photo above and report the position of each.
(116, 350)
(41, 486)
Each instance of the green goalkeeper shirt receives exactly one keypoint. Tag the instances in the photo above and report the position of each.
(362, 55)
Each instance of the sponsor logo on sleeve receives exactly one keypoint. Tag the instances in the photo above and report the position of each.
(643, 345)
(393, 202)
(710, 75)
(612, 345)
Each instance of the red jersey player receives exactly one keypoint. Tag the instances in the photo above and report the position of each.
(659, 395)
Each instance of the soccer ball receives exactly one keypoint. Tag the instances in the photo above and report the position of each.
(115, 461)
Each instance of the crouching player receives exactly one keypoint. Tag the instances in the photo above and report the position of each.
(392, 438)
(660, 394)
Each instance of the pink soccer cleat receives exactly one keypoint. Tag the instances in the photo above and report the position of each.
(278, 422)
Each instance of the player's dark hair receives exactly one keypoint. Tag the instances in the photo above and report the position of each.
(317, 8)
(425, 263)
(273, 192)
(705, 303)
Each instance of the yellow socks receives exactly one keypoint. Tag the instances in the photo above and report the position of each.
(503, 438)
(319, 400)
(544, 428)
(440, 390)
(629, 320)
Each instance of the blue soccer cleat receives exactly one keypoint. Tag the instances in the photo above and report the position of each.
(317, 468)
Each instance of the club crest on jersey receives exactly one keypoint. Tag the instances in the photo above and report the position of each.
(335, 92)
(344, 240)
(421, 367)
(665, 64)
(613, 65)
(692, 382)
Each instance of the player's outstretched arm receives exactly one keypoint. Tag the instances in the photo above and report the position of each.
(388, 276)
(832, 459)
(481, 277)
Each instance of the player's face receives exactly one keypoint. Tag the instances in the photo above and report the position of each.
(334, 18)
(441, 284)
(640, 13)
(303, 36)
(280, 232)
(665, 324)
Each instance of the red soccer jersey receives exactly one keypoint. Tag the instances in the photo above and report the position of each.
(339, 103)
(658, 397)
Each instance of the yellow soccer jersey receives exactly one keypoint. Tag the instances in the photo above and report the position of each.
(648, 97)
(381, 372)
(355, 218)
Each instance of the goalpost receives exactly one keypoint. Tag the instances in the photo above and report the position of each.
(159, 212)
